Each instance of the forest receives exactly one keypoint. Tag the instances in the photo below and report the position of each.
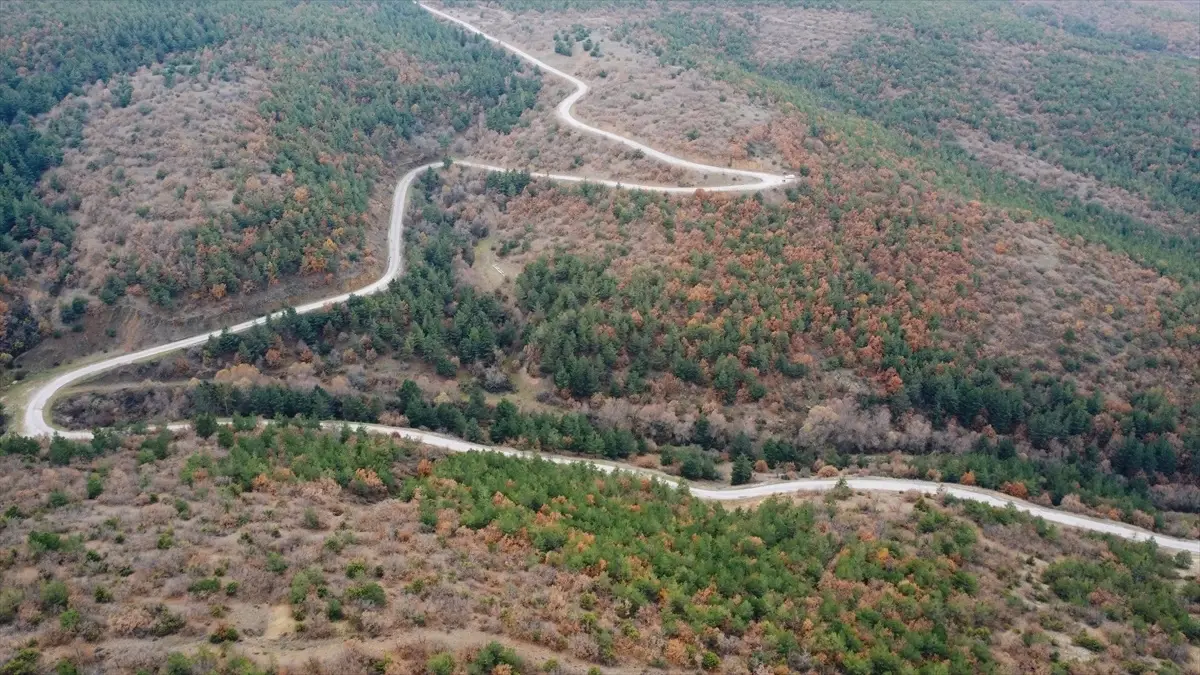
(330, 150)
(842, 326)
(53, 54)
(763, 306)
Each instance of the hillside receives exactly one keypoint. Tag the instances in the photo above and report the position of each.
(224, 173)
(972, 259)
(304, 551)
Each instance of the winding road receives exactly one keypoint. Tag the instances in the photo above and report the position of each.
(34, 420)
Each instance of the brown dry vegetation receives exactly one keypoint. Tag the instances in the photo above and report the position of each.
(174, 551)
(543, 143)
(1175, 20)
(175, 154)
(637, 96)
(1009, 159)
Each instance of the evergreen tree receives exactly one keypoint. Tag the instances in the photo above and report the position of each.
(743, 471)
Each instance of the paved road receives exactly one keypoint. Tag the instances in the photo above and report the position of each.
(34, 420)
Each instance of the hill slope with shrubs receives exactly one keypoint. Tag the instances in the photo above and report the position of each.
(291, 548)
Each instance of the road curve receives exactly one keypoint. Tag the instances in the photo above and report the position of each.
(35, 423)
(563, 112)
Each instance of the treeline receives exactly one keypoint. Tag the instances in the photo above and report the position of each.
(471, 418)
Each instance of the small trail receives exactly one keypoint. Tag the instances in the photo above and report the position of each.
(34, 422)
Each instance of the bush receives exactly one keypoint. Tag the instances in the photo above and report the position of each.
(303, 582)
(57, 499)
(166, 622)
(440, 664)
(493, 656)
(356, 569)
(178, 664)
(205, 425)
(69, 620)
(697, 465)
(710, 661)
(54, 596)
(223, 633)
(310, 520)
(62, 451)
(25, 662)
(333, 610)
(40, 542)
(10, 601)
(1088, 642)
(205, 587)
(102, 595)
(369, 593)
(95, 485)
(276, 563)
(19, 445)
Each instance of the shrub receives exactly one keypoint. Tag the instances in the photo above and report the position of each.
(223, 633)
(69, 620)
(231, 588)
(1088, 642)
(178, 664)
(697, 465)
(587, 601)
(369, 593)
(25, 662)
(166, 622)
(333, 610)
(493, 656)
(205, 425)
(356, 569)
(743, 471)
(302, 582)
(710, 661)
(19, 445)
(95, 485)
(205, 587)
(276, 563)
(440, 664)
(310, 520)
(102, 595)
(54, 596)
(40, 542)
(57, 499)
(10, 601)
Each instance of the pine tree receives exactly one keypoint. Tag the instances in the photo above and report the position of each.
(743, 472)
(205, 425)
